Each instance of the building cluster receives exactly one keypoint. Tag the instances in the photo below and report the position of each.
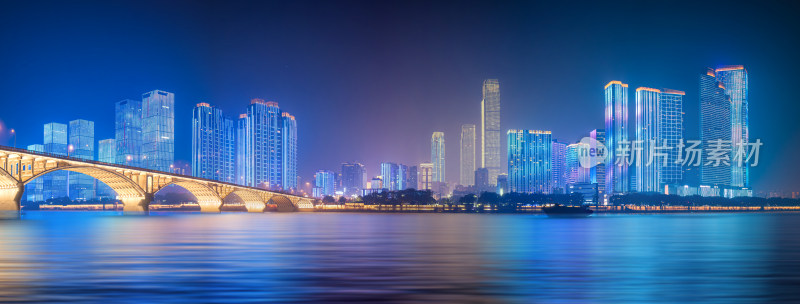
(258, 150)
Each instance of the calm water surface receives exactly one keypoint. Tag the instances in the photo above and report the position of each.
(343, 257)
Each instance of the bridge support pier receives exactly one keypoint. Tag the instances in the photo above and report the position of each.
(256, 207)
(136, 205)
(210, 207)
(10, 198)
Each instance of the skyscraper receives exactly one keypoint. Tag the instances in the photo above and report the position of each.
(647, 133)
(482, 180)
(715, 125)
(425, 181)
(389, 174)
(213, 142)
(671, 132)
(529, 155)
(575, 173)
(598, 173)
(402, 177)
(55, 142)
(559, 168)
(467, 155)
(438, 157)
(490, 128)
(158, 130)
(260, 145)
(413, 173)
(353, 178)
(616, 117)
(128, 132)
(734, 80)
(34, 189)
(289, 152)
(323, 183)
(106, 152)
(81, 141)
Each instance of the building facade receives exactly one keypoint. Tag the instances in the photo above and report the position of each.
(106, 152)
(213, 144)
(353, 178)
(735, 83)
(715, 125)
(324, 183)
(490, 129)
(158, 130)
(81, 144)
(467, 177)
(425, 180)
(529, 156)
(128, 132)
(34, 190)
(266, 147)
(559, 166)
(56, 184)
(616, 120)
(438, 157)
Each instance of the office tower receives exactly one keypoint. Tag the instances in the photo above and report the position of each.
(490, 128)
(437, 157)
(376, 183)
(598, 172)
(213, 142)
(128, 132)
(616, 116)
(289, 152)
(734, 81)
(467, 155)
(482, 180)
(55, 142)
(413, 172)
(260, 144)
(34, 190)
(671, 132)
(106, 152)
(529, 167)
(715, 125)
(575, 173)
(352, 178)
(559, 169)
(81, 142)
(158, 130)
(647, 135)
(389, 175)
(425, 176)
(402, 177)
(323, 183)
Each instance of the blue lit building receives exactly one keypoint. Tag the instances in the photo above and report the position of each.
(289, 152)
(671, 132)
(158, 130)
(575, 173)
(389, 175)
(735, 83)
(323, 183)
(106, 152)
(213, 143)
(559, 168)
(81, 142)
(128, 132)
(715, 124)
(438, 157)
(647, 134)
(266, 147)
(616, 119)
(529, 157)
(55, 142)
(402, 177)
(34, 189)
(598, 173)
(353, 178)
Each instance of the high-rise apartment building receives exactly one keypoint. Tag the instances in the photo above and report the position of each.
(734, 81)
(559, 167)
(715, 125)
(324, 183)
(213, 144)
(467, 177)
(81, 145)
(128, 132)
(425, 181)
(266, 147)
(616, 119)
(353, 178)
(575, 173)
(529, 156)
(490, 129)
(158, 130)
(438, 157)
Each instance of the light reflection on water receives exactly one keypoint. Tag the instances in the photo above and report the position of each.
(238, 257)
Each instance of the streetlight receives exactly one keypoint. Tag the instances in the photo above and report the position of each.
(69, 149)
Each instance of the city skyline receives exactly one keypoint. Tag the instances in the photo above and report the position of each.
(531, 98)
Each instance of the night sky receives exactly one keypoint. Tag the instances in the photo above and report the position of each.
(370, 81)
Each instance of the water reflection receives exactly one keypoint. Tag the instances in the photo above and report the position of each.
(181, 257)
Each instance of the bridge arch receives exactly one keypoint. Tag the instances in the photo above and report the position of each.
(251, 199)
(207, 198)
(284, 203)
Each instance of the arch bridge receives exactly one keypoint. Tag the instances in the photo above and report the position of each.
(135, 187)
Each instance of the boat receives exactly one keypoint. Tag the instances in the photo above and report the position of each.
(559, 210)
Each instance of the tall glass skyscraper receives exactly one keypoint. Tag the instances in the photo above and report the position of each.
(266, 147)
(647, 133)
(128, 132)
(558, 166)
(106, 152)
(158, 130)
(734, 80)
(34, 189)
(353, 178)
(55, 142)
(490, 129)
(402, 177)
(616, 117)
(529, 166)
(389, 175)
(467, 155)
(323, 183)
(438, 157)
(213, 143)
(671, 132)
(576, 173)
(81, 140)
(598, 173)
(715, 124)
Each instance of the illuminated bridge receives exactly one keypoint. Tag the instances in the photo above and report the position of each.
(135, 187)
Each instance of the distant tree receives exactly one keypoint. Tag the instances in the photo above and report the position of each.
(342, 200)
(328, 199)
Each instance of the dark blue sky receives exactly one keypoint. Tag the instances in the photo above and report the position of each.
(370, 81)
